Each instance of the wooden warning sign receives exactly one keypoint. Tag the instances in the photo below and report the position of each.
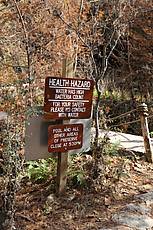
(68, 98)
(62, 138)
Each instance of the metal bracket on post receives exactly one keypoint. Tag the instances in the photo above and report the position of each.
(143, 110)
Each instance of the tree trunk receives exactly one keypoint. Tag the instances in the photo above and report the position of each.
(96, 142)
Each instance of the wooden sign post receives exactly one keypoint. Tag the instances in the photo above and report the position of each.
(65, 99)
(145, 132)
(67, 71)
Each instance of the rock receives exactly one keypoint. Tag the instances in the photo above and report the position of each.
(139, 208)
(119, 227)
(50, 199)
(141, 222)
(135, 215)
(107, 201)
(3, 116)
(146, 197)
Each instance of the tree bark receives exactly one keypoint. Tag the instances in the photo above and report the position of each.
(96, 142)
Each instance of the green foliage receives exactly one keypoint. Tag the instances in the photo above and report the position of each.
(111, 149)
(41, 170)
(95, 93)
(151, 134)
(77, 178)
(113, 94)
(106, 94)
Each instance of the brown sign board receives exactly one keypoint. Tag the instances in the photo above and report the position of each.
(68, 98)
(62, 138)
(36, 137)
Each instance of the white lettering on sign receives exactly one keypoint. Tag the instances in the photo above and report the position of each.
(73, 115)
(59, 82)
(63, 96)
(71, 91)
(74, 143)
(79, 83)
(78, 104)
(68, 98)
(54, 146)
(63, 91)
(79, 91)
(57, 130)
(57, 109)
(66, 137)
(62, 115)
(78, 110)
(66, 103)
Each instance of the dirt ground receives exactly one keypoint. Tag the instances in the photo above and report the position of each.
(83, 208)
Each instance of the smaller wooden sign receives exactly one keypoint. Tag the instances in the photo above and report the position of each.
(62, 138)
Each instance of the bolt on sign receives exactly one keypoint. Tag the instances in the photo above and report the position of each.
(62, 138)
(68, 98)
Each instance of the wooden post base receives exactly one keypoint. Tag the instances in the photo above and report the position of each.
(61, 172)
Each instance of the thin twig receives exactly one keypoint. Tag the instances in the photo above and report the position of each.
(24, 217)
(27, 44)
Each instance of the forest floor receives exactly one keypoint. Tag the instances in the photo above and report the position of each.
(85, 207)
(90, 203)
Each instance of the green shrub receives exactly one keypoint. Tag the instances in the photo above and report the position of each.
(40, 170)
(111, 149)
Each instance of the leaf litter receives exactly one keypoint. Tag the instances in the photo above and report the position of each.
(84, 206)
